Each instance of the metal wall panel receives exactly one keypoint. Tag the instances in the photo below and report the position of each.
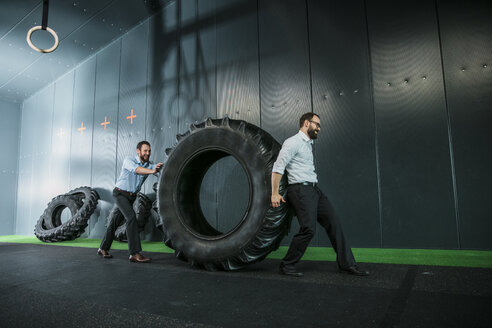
(105, 134)
(466, 35)
(40, 182)
(252, 60)
(82, 124)
(197, 89)
(342, 96)
(162, 92)
(61, 135)
(411, 122)
(284, 66)
(196, 63)
(285, 88)
(9, 158)
(237, 60)
(133, 90)
(23, 215)
(237, 94)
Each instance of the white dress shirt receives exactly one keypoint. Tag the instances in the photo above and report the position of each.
(296, 156)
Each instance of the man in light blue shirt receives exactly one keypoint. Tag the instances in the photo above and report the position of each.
(133, 174)
(309, 202)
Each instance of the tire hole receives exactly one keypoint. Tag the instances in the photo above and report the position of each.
(224, 194)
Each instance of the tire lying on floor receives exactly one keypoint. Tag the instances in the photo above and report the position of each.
(141, 206)
(185, 228)
(81, 202)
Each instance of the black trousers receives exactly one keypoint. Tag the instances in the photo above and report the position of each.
(312, 205)
(124, 202)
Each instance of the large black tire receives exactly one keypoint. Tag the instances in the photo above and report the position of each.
(186, 230)
(73, 227)
(142, 207)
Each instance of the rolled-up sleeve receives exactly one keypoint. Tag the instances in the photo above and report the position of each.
(129, 165)
(285, 155)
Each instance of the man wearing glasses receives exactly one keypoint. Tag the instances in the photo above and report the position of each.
(309, 202)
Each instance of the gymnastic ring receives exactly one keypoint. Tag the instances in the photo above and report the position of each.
(185, 228)
(45, 51)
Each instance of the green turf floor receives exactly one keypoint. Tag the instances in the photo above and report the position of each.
(463, 258)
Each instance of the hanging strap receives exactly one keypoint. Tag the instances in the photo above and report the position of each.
(46, 4)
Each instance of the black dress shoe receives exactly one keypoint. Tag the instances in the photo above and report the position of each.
(289, 271)
(354, 270)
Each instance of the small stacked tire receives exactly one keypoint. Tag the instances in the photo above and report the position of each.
(81, 202)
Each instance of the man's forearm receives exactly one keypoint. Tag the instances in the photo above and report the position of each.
(144, 171)
(276, 177)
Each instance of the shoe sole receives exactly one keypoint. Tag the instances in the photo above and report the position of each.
(297, 274)
(136, 261)
(354, 274)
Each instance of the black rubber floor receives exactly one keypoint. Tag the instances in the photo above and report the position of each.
(50, 286)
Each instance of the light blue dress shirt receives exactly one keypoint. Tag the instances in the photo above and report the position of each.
(129, 180)
(296, 156)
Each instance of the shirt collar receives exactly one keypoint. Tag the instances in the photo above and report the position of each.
(138, 160)
(305, 137)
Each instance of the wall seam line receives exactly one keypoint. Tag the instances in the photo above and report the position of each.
(449, 130)
(376, 139)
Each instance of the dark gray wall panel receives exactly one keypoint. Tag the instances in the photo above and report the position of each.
(83, 112)
(42, 128)
(284, 66)
(162, 92)
(133, 90)
(196, 62)
(284, 71)
(414, 156)
(342, 96)
(466, 35)
(232, 193)
(9, 158)
(237, 87)
(23, 216)
(237, 60)
(197, 78)
(105, 136)
(61, 135)
(256, 60)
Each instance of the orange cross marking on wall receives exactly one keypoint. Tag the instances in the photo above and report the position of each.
(106, 122)
(60, 134)
(82, 128)
(131, 117)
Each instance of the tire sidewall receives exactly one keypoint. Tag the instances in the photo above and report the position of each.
(235, 143)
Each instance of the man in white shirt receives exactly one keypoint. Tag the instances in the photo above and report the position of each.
(309, 202)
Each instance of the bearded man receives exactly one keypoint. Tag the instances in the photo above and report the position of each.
(133, 174)
(309, 202)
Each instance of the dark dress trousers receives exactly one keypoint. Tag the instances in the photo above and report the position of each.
(124, 201)
(312, 205)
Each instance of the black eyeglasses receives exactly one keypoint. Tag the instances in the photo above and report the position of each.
(316, 123)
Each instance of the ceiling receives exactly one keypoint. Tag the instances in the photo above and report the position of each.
(83, 28)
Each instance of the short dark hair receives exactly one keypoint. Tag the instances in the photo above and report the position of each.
(306, 116)
(139, 145)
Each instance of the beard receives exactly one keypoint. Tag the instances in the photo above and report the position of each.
(144, 158)
(312, 133)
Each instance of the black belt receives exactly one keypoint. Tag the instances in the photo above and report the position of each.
(312, 184)
(126, 192)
